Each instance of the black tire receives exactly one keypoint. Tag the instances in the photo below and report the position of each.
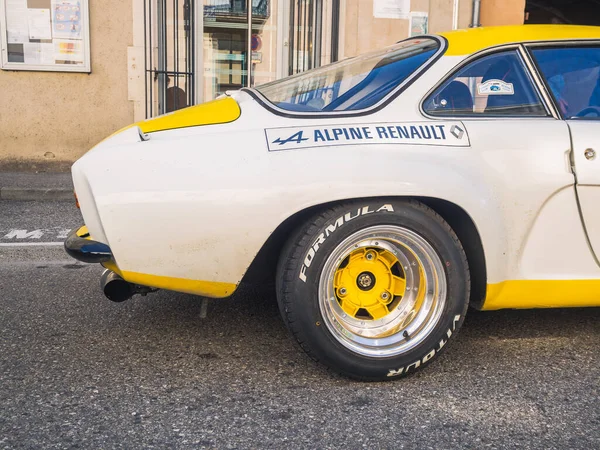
(298, 286)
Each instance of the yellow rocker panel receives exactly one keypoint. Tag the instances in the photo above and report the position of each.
(527, 294)
(213, 289)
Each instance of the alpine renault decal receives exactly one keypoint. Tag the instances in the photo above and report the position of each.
(448, 134)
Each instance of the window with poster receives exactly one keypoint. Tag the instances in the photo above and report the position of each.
(45, 35)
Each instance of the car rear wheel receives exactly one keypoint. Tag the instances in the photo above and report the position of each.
(374, 289)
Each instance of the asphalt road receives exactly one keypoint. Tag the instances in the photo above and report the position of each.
(77, 371)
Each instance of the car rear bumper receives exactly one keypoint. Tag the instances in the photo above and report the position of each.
(80, 246)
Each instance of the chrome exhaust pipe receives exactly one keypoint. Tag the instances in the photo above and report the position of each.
(116, 288)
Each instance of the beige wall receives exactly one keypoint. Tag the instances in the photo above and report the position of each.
(502, 12)
(56, 117)
(53, 118)
(361, 32)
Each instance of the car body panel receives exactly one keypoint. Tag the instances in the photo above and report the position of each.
(589, 199)
(586, 138)
(190, 208)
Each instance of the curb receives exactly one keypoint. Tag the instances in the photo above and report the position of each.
(36, 194)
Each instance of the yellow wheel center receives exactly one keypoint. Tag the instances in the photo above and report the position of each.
(368, 284)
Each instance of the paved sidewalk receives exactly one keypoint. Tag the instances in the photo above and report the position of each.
(35, 186)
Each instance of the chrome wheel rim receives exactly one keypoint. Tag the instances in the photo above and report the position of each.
(358, 274)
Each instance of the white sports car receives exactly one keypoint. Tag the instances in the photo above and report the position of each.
(384, 194)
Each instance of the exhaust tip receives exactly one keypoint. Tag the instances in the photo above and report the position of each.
(115, 288)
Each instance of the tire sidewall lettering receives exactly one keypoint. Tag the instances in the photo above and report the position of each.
(313, 250)
(415, 365)
(309, 257)
(334, 226)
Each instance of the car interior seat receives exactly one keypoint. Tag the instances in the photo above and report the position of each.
(457, 97)
(595, 95)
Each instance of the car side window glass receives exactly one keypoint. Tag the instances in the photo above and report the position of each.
(494, 85)
(573, 76)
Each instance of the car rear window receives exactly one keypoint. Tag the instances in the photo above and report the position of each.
(353, 84)
(493, 85)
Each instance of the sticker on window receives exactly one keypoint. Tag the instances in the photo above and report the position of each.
(495, 87)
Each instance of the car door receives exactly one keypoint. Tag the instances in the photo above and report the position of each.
(520, 149)
(572, 74)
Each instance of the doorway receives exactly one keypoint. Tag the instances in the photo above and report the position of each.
(169, 55)
(314, 33)
(197, 50)
(234, 57)
(572, 12)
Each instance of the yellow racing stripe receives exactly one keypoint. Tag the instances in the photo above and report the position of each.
(466, 42)
(222, 110)
(83, 232)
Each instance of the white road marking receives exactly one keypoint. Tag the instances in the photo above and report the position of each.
(47, 233)
(56, 262)
(30, 244)
(24, 234)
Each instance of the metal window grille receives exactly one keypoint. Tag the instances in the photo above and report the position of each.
(169, 49)
(307, 20)
(169, 55)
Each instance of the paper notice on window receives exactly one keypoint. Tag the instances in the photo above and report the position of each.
(66, 19)
(391, 9)
(68, 50)
(38, 21)
(419, 23)
(38, 54)
(17, 30)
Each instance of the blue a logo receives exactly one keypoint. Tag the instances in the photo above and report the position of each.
(495, 88)
(296, 137)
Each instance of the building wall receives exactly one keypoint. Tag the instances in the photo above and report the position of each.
(361, 32)
(502, 12)
(52, 117)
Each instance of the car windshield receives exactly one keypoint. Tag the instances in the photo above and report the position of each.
(353, 84)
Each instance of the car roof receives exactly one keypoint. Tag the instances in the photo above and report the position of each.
(472, 40)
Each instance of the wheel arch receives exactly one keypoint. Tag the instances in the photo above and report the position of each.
(263, 267)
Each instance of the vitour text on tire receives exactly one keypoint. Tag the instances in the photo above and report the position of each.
(374, 289)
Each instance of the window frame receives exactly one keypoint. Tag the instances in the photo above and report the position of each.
(528, 47)
(527, 66)
(86, 67)
(443, 46)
